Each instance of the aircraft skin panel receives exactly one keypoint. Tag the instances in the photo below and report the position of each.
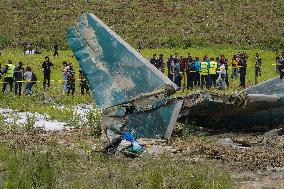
(115, 71)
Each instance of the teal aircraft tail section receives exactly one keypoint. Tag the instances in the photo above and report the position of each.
(115, 71)
(121, 79)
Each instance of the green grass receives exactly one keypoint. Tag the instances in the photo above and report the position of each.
(151, 24)
(45, 102)
(50, 165)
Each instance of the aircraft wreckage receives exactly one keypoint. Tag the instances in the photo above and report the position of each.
(133, 93)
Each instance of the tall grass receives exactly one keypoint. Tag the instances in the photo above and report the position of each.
(57, 167)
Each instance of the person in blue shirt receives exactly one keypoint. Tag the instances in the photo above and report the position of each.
(197, 66)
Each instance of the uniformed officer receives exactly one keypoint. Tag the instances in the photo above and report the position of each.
(243, 70)
(9, 74)
(190, 72)
(18, 77)
(204, 72)
(212, 72)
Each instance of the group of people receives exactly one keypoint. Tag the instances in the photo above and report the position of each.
(210, 72)
(202, 72)
(18, 75)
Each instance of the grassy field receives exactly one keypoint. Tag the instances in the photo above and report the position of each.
(30, 158)
(151, 24)
(44, 101)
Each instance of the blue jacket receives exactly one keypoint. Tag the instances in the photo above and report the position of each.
(197, 66)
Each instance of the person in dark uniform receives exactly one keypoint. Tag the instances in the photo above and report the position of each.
(18, 77)
(170, 66)
(83, 83)
(243, 70)
(70, 80)
(55, 48)
(46, 68)
(154, 60)
(160, 63)
(8, 71)
(190, 72)
(258, 63)
(281, 66)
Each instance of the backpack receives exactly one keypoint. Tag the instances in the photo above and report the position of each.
(34, 78)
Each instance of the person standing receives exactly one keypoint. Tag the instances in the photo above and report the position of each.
(46, 68)
(28, 75)
(18, 77)
(213, 72)
(224, 61)
(190, 73)
(281, 66)
(83, 83)
(170, 66)
(70, 80)
(177, 76)
(258, 63)
(243, 70)
(197, 67)
(234, 64)
(154, 60)
(9, 75)
(55, 49)
(64, 77)
(160, 63)
(221, 81)
(204, 72)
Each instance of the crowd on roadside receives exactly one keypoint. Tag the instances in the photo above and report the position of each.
(16, 76)
(210, 72)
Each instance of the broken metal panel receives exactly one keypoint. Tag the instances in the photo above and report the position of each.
(115, 72)
(156, 123)
(153, 123)
(238, 110)
(270, 87)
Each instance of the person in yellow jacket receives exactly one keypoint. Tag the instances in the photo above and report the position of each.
(8, 71)
(204, 72)
(235, 70)
(213, 72)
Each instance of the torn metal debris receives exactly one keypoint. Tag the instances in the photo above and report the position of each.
(122, 82)
(134, 94)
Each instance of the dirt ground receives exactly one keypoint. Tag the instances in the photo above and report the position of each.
(251, 163)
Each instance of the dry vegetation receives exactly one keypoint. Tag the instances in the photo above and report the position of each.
(151, 24)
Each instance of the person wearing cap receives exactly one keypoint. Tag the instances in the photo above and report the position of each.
(8, 71)
(18, 77)
(46, 68)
